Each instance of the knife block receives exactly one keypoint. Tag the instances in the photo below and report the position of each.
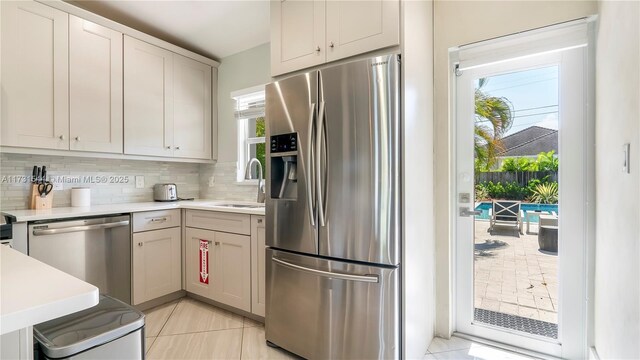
(38, 202)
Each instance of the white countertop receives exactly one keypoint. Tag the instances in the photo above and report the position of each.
(70, 212)
(32, 292)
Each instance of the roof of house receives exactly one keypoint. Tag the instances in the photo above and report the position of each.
(530, 142)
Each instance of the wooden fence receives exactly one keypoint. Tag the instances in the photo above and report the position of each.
(521, 177)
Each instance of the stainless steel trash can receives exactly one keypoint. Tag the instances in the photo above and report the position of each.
(109, 330)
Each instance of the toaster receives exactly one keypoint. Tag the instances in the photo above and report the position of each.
(165, 192)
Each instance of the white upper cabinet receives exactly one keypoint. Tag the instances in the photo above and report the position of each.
(356, 27)
(148, 99)
(167, 103)
(95, 87)
(192, 108)
(297, 35)
(35, 81)
(307, 33)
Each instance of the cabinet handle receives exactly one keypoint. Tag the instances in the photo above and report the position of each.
(159, 219)
(318, 49)
(177, 147)
(61, 137)
(217, 243)
(140, 244)
(77, 138)
(169, 147)
(331, 45)
(259, 221)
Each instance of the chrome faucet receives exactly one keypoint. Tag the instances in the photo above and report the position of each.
(247, 176)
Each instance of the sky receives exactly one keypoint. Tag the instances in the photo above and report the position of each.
(533, 95)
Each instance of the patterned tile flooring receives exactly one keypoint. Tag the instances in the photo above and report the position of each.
(190, 329)
(513, 276)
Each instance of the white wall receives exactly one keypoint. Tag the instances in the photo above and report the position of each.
(617, 287)
(457, 23)
(418, 260)
(236, 72)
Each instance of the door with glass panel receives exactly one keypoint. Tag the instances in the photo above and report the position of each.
(521, 155)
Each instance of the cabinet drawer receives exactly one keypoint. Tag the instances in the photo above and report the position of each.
(219, 221)
(154, 220)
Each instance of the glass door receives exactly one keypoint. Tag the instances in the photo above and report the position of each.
(520, 199)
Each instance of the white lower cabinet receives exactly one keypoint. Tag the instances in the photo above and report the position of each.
(258, 265)
(157, 264)
(218, 266)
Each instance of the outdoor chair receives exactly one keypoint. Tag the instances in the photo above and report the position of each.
(506, 212)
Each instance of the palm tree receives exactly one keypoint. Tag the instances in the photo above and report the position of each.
(494, 118)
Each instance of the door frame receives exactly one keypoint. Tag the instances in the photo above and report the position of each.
(500, 55)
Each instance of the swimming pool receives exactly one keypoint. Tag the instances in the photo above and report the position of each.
(485, 207)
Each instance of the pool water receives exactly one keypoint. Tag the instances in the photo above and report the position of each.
(485, 207)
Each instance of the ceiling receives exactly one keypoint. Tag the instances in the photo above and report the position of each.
(212, 28)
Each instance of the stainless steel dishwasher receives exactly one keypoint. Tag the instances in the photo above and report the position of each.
(96, 250)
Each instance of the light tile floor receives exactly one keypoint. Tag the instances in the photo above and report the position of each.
(190, 329)
(462, 349)
(513, 276)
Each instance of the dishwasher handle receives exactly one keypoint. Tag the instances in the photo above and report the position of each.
(80, 228)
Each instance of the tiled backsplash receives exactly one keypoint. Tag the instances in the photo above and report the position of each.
(224, 186)
(192, 179)
(87, 172)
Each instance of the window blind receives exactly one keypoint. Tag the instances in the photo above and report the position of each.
(249, 106)
(548, 39)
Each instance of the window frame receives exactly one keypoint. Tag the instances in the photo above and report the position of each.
(244, 141)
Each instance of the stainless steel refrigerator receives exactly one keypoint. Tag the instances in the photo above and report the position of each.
(333, 211)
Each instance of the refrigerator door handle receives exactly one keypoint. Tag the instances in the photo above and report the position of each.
(310, 167)
(319, 137)
(329, 274)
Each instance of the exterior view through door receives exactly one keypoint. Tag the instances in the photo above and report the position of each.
(521, 132)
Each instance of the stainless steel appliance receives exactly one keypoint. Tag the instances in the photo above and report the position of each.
(333, 211)
(96, 250)
(109, 330)
(165, 192)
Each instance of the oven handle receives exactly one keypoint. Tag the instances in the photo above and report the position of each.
(80, 228)
(329, 274)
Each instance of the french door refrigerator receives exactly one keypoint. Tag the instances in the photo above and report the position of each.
(333, 211)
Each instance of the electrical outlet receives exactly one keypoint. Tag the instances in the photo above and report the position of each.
(212, 181)
(139, 182)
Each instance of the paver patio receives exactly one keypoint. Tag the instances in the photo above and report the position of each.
(513, 276)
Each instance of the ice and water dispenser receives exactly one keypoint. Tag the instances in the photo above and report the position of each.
(284, 166)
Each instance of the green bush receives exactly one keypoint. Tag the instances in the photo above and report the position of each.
(537, 190)
(517, 164)
(546, 193)
(504, 191)
(547, 162)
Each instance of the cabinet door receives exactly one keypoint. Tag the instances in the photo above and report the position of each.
(297, 35)
(35, 81)
(197, 283)
(95, 87)
(157, 265)
(258, 269)
(232, 266)
(191, 108)
(148, 99)
(356, 27)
